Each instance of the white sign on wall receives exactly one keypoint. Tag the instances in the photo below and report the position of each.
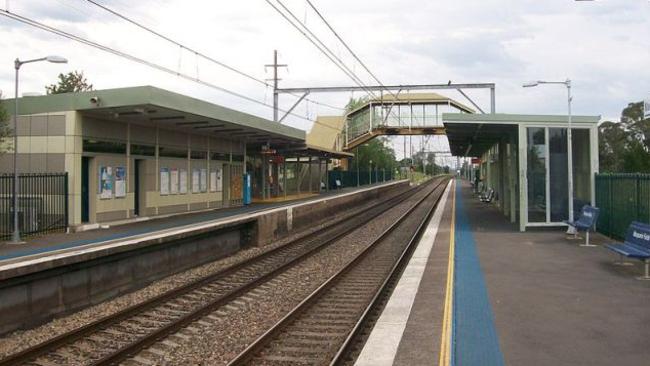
(174, 181)
(219, 173)
(183, 181)
(195, 181)
(204, 180)
(164, 181)
(213, 181)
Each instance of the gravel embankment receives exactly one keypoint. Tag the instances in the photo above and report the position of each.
(218, 339)
(19, 340)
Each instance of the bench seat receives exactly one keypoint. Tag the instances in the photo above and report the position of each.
(629, 250)
(636, 245)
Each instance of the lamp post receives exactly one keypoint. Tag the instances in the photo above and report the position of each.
(15, 237)
(370, 173)
(356, 159)
(566, 83)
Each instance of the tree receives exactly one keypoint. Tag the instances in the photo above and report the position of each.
(72, 82)
(625, 146)
(5, 130)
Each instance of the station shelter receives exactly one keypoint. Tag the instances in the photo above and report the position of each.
(143, 151)
(525, 160)
(291, 172)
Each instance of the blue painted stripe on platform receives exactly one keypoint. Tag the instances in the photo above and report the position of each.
(152, 227)
(474, 336)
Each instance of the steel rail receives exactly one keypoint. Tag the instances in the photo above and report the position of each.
(247, 354)
(344, 350)
(74, 335)
(144, 342)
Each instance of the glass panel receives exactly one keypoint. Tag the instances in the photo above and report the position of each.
(172, 152)
(101, 146)
(558, 177)
(536, 174)
(146, 150)
(581, 168)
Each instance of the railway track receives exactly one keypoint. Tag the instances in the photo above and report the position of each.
(323, 328)
(122, 335)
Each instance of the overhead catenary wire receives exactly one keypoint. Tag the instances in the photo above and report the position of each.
(45, 27)
(197, 53)
(320, 15)
(311, 37)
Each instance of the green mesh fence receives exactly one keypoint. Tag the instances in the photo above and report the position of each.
(622, 198)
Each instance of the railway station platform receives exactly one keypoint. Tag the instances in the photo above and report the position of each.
(58, 274)
(480, 292)
(56, 242)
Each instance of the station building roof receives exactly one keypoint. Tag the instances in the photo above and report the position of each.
(325, 132)
(414, 98)
(473, 134)
(148, 105)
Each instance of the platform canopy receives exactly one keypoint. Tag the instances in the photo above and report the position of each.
(151, 106)
(472, 135)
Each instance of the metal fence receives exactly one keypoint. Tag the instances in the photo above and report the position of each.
(622, 198)
(42, 203)
(353, 179)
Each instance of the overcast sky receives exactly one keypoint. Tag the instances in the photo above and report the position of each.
(602, 46)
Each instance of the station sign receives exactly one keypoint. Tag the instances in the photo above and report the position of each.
(268, 151)
(476, 161)
(277, 159)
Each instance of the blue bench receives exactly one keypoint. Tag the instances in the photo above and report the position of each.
(585, 222)
(636, 245)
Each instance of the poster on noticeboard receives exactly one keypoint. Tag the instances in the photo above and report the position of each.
(105, 182)
(120, 182)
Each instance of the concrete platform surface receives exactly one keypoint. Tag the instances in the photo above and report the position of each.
(60, 241)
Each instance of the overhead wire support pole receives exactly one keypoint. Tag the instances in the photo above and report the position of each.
(492, 100)
(276, 98)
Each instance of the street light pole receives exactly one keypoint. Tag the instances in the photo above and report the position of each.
(15, 236)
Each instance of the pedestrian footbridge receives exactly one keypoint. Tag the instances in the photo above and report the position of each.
(401, 114)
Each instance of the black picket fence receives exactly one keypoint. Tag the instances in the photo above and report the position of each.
(42, 203)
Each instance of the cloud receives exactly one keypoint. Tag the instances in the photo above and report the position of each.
(602, 46)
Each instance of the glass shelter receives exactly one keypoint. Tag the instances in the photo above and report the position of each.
(525, 160)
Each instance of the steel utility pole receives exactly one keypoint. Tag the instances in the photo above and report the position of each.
(275, 79)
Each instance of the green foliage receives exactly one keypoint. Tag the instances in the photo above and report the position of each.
(378, 151)
(421, 157)
(355, 103)
(5, 130)
(625, 146)
(71, 82)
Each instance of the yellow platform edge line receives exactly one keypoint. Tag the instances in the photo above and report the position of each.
(445, 341)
